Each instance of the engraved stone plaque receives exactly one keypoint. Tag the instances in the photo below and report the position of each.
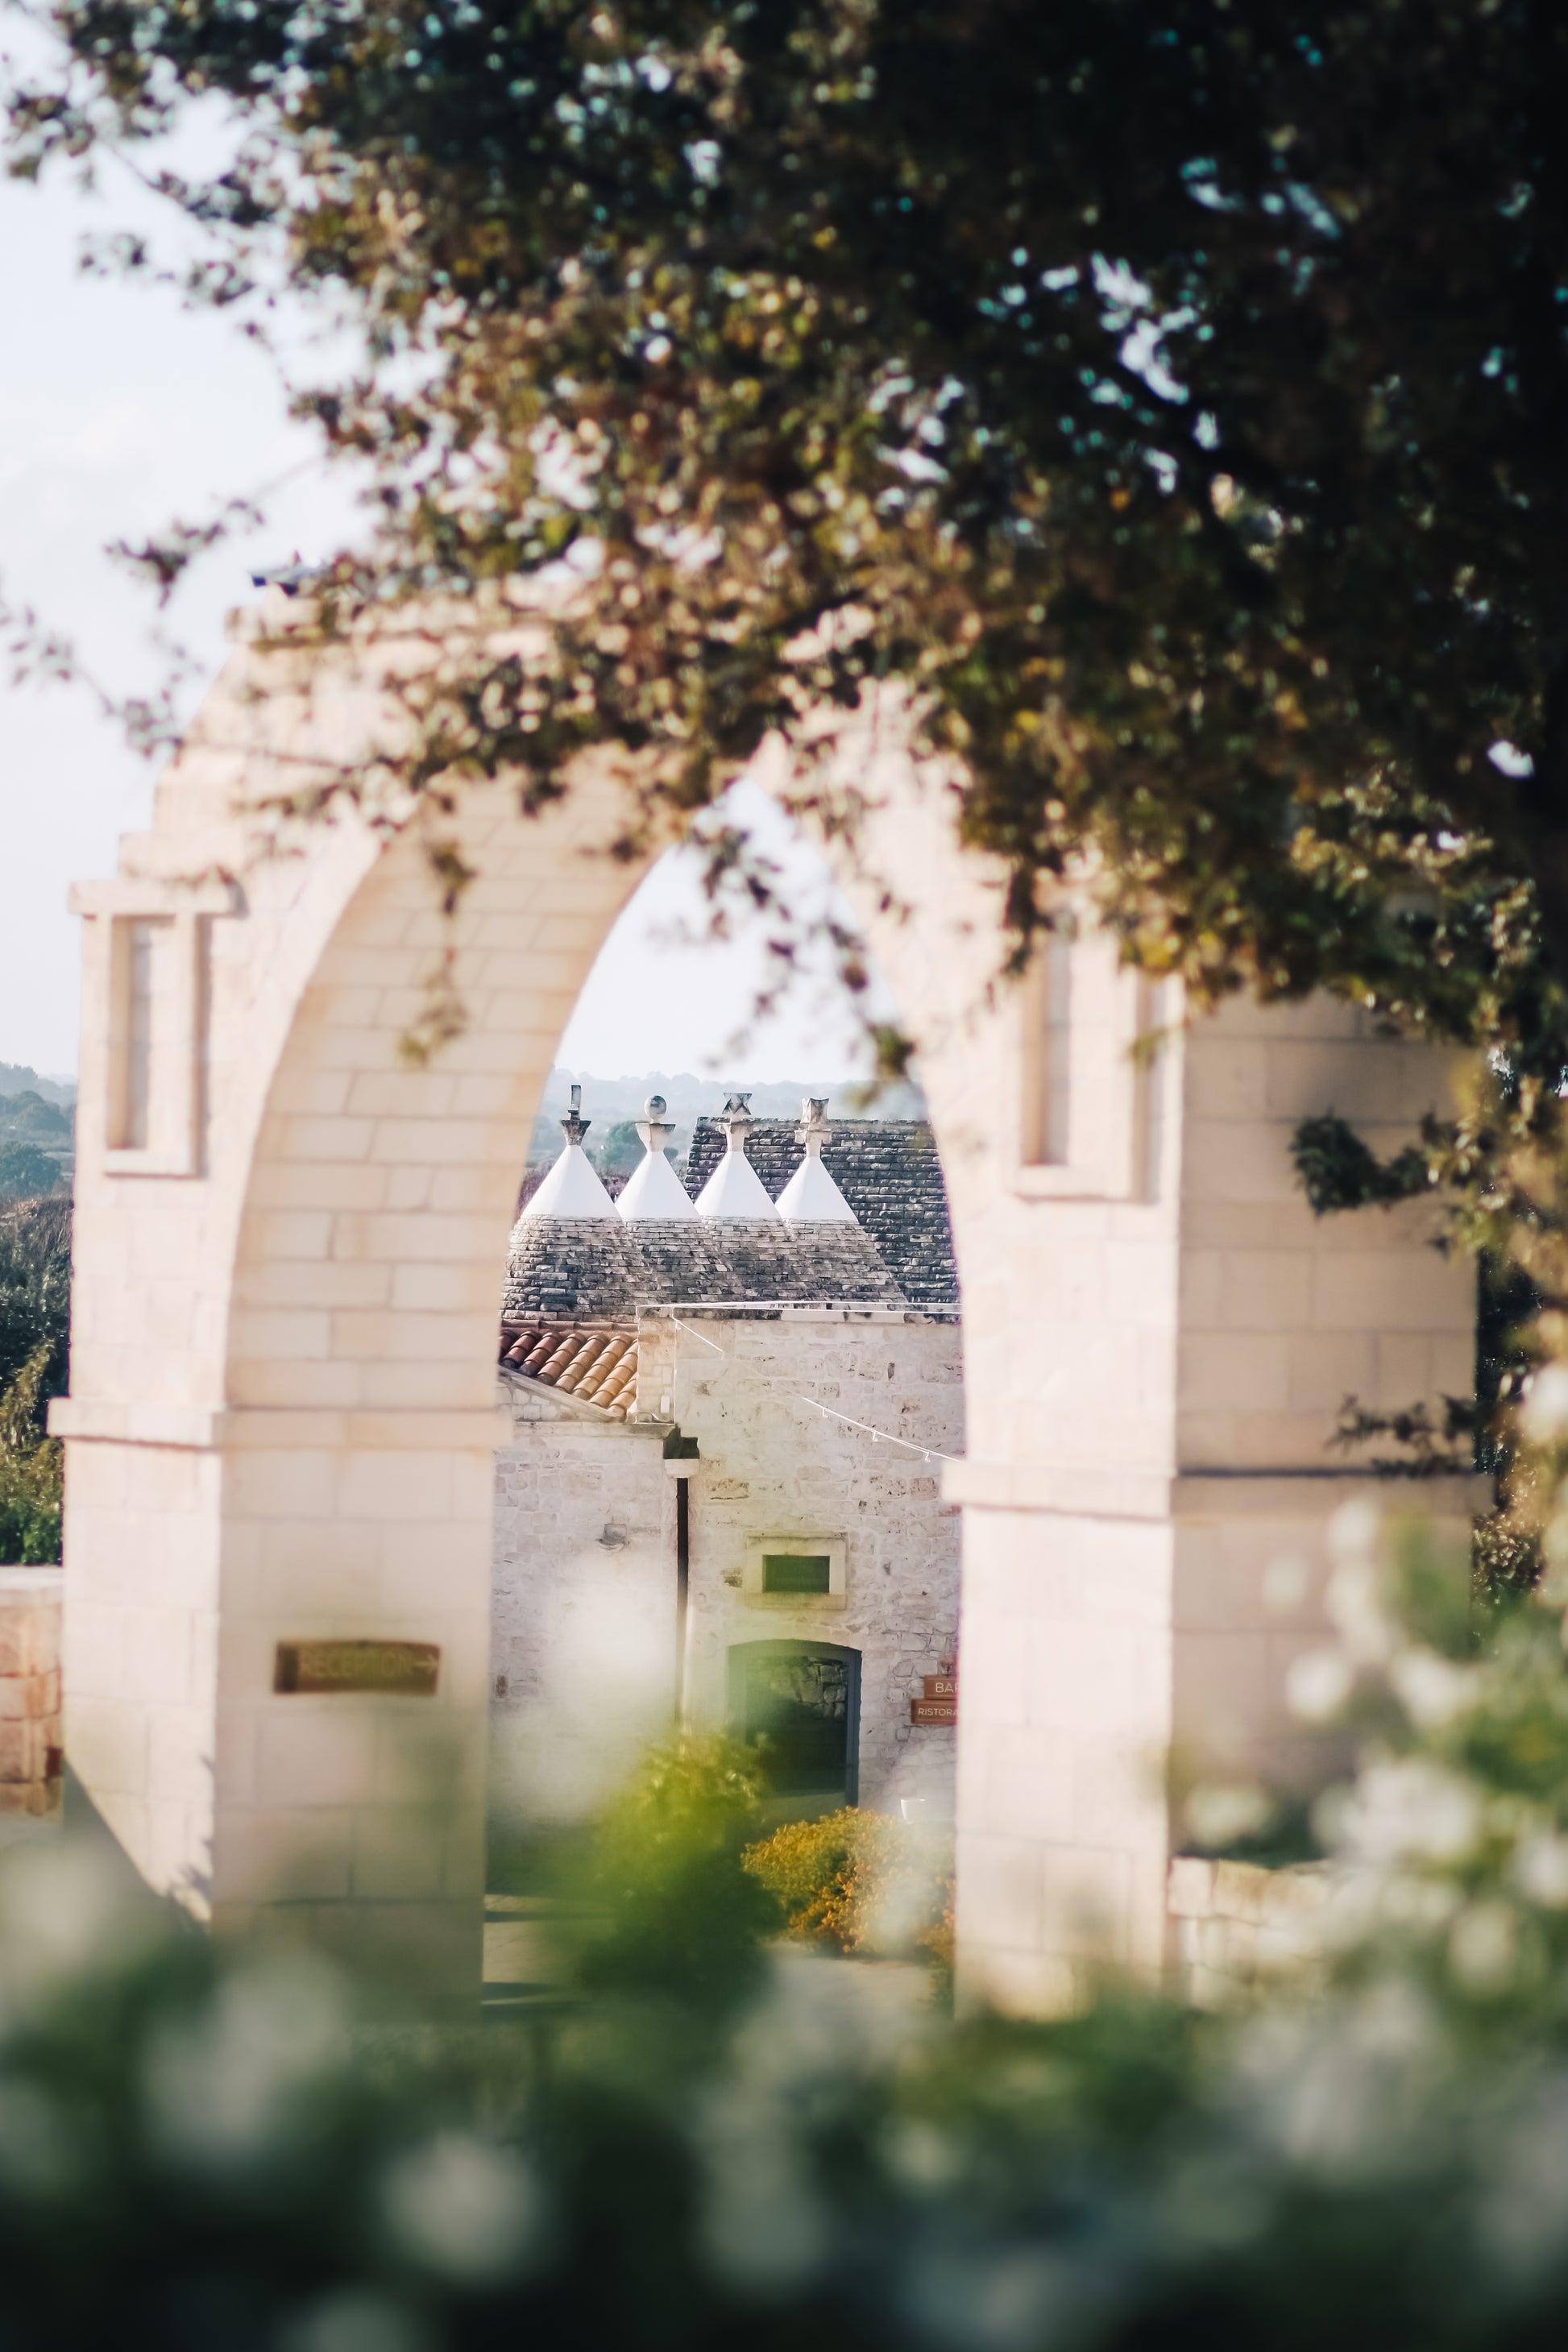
(398, 1669)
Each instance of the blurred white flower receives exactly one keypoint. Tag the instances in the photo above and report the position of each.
(1318, 1685)
(1407, 1810)
(1431, 1689)
(1354, 1598)
(1354, 1531)
(218, 2086)
(65, 1910)
(463, 2208)
(1543, 1416)
(1483, 1947)
(1541, 1870)
(354, 2321)
(1337, 2085)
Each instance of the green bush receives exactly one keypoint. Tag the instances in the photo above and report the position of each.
(35, 1293)
(31, 1472)
(666, 1906)
(200, 2142)
(858, 1882)
(26, 1170)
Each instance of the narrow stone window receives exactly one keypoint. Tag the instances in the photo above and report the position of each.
(1048, 1053)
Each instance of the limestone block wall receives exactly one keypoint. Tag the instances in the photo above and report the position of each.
(1283, 1314)
(772, 1465)
(1234, 1923)
(1158, 1335)
(282, 1422)
(30, 1735)
(1252, 1563)
(582, 1630)
(583, 1634)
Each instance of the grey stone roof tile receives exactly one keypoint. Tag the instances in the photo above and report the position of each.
(559, 1269)
(887, 1170)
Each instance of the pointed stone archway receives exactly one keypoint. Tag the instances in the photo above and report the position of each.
(290, 1239)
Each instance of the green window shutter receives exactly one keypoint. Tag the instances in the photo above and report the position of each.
(795, 1571)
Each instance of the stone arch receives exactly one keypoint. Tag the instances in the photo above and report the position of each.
(281, 1426)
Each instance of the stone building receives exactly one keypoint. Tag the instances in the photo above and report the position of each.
(722, 1496)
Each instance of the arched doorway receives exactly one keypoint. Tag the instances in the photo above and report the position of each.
(799, 1702)
(282, 1427)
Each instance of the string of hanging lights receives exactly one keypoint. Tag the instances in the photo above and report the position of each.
(877, 1436)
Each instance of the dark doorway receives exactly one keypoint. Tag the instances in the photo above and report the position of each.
(802, 1699)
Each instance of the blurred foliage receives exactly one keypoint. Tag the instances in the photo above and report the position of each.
(1340, 1170)
(35, 1293)
(670, 1910)
(35, 1339)
(1428, 1448)
(1505, 1562)
(858, 1882)
(705, 2143)
(32, 1473)
(1149, 396)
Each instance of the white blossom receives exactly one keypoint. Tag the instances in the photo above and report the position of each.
(462, 2207)
(1543, 1416)
(1541, 1870)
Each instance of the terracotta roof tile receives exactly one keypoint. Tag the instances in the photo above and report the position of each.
(598, 1367)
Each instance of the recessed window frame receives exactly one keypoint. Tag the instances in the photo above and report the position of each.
(1092, 1079)
(754, 1589)
(143, 1107)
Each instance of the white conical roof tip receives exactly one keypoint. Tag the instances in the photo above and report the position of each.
(572, 1188)
(811, 1197)
(735, 1192)
(654, 1192)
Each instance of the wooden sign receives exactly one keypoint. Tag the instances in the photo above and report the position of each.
(933, 1710)
(939, 1685)
(394, 1669)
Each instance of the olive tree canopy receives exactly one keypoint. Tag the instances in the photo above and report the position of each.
(1174, 393)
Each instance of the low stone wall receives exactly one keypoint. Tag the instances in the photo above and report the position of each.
(30, 1735)
(1232, 1923)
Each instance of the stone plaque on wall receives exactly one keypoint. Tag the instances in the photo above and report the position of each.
(396, 1669)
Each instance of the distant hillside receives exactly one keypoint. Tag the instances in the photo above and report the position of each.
(17, 1079)
(37, 1141)
(614, 1104)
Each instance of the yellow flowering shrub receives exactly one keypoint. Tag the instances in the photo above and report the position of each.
(859, 1881)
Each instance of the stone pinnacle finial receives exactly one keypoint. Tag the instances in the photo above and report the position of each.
(815, 1129)
(575, 1127)
(654, 1193)
(653, 1129)
(735, 1194)
(811, 1197)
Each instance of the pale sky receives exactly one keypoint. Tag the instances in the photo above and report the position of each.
(120, 411)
